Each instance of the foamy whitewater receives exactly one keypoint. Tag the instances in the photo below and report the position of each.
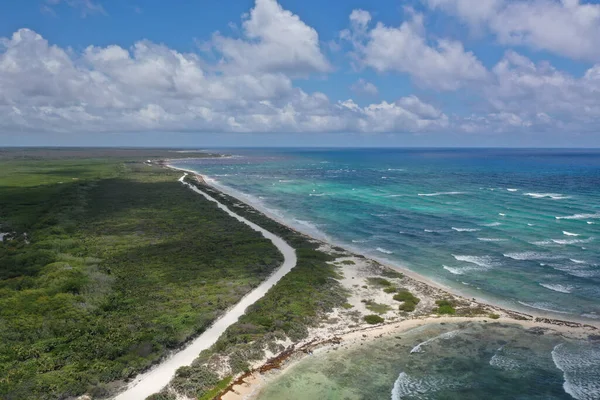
(515, 227)
(470, 361)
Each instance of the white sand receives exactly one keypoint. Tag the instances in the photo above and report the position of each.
(158, 377)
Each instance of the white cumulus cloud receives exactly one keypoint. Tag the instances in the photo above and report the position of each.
(570, 28)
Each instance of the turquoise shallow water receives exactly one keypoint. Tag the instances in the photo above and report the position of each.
(515, 226)
(452, 361)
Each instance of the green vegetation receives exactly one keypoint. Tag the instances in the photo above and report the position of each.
(347, 262)
(377, 308)
(390, 289)
(494, 316)
(114, 263)
(409, 299)
(347, 306)
(445, 307)
(379, 282)
(390, 273)
(373, 319)
(214, 392)
(299, 300)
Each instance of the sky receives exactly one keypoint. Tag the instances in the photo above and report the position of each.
(209, 73)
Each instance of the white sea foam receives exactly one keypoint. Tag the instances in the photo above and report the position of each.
(317, 194)
(580, 216)
(577, 261)
(543, 307)
(440, 194)
(590, 223)
(570, 233)
(531, 255)
(502, 361)
(396, 169)
(557, 287)
(436, 230)
(408, 386)
(512, 190)
(493, 224)
(553, 196)
(579, 364)
(359, 241)
(502, 214)
(465, 229)
(544, 243)
(455, 271)
(491, 239)
(572, 241)
(591, 315)
(382, 250)
(530, 225)
(481, 261)
(444, 336)
(395, 195)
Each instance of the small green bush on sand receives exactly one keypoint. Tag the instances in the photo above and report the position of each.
(373, 319)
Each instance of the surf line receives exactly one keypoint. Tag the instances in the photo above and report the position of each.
(158, 377)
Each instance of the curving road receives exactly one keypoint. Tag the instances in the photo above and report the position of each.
(159, 376)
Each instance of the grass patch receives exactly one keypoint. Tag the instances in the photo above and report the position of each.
(347, 262)
(377, 307)
(373, 319)
(390, 289)
(379, 282)
(409, 300)
(390, 273)
(445, 307)
(347, 306)
(493, 316)
(214, 392)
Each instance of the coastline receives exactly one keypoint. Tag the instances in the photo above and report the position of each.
(495, 303)
(248, 385)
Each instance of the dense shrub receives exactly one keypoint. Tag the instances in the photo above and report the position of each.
(445, 307)
(373, 319)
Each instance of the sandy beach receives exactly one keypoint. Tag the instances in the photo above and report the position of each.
(346, 327)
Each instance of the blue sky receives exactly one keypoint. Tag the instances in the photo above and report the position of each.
(291, 72)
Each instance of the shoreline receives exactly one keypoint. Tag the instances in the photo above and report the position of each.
(494, 303)
(247, 385)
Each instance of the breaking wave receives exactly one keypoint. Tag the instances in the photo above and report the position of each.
(580, 216)
(531, 255)
(493, 224)
(557, 287)
(543, 307)
(465, 229)
(580, 365)
(572, 241)
(444, 336)
(553, 196)
(441, 194)
(481, 261)
(382, 250)
(406, 385)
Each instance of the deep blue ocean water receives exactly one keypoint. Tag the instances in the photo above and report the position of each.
(519, 227)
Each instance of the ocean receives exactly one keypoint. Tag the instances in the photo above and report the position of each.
(469, 361)
(519, 228)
